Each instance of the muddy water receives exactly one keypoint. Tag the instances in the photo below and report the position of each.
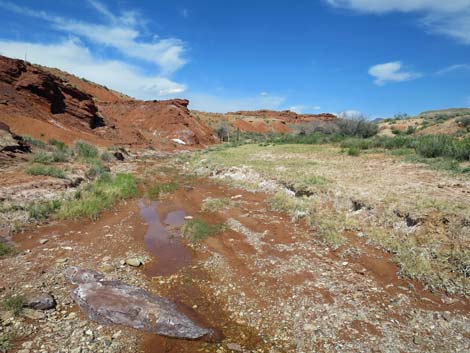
(164, 240)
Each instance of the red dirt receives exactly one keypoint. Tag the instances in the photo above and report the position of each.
(47, 103)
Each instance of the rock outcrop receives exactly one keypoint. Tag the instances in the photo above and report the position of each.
(48, 103)
(49, 91)
(114, 302)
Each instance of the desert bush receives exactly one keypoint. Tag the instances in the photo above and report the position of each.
(14, 304)
(5, 343)
(46, 171)
(59, 145)
(410, 130)
(353, 151)
(60, 156)
(41, 210)
(106, 156)
(41, 157)
(96, 169)
(6, 249)
(433, 146)
(34, 142)
(85, 150)
(464, 121)
(198, 229)
(357, 127)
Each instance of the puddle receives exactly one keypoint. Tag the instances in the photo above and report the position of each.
(166, 246)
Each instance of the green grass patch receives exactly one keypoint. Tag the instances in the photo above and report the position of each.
(6, 249)
(198, 229)
(103, 194)
(354, 151)
(96, 169)
(42, 210)
(5, 343)
(46, 171)
(85, 150)
(59, 145)
(34, 142)
(216, 204)
(156, 190)
(14, 304)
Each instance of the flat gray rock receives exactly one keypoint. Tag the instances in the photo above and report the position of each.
(114, 302)
(41, 301)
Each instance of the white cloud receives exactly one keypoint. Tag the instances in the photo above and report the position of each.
(121, 32)
(453, 68)
(72, 56)
(391, 72)
(303, 109)
(350, 114)
(185, 13)
(264, 93)
(449, 17)
(211, 103)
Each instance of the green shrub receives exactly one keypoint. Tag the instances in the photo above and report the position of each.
(197, 229)
(410, 130)
(103, 194)
(156, 190)
(433, 146)
(106, 156)
(14, 304)
(464, 121)
(41, 210)
(46, 170)
(34, 142)
(6, 249)
(61, 146)
(96, 169)
(357, 127)
(85, 150)
(353, 151)
(396, 131)
(5, 343)
(60, 156)
(42, 157)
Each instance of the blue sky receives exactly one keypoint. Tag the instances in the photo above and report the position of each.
(379, 57)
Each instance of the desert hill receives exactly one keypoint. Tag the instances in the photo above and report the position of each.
(263, 121)
(48, 103)
(455, 121)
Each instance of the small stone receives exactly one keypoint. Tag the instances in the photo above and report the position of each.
(62, 261)
(76, 350)
(24, 351)
(133, 262)
(344, 263)
(27, 345)
(236, 197)
(89, 333)
(309, 327)
(6, 316)
(43, 241)
(188, 217)
(417, 340)
(42, 301)
(234, 347)
(32, 314)
(72, 316)
(106, 268)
